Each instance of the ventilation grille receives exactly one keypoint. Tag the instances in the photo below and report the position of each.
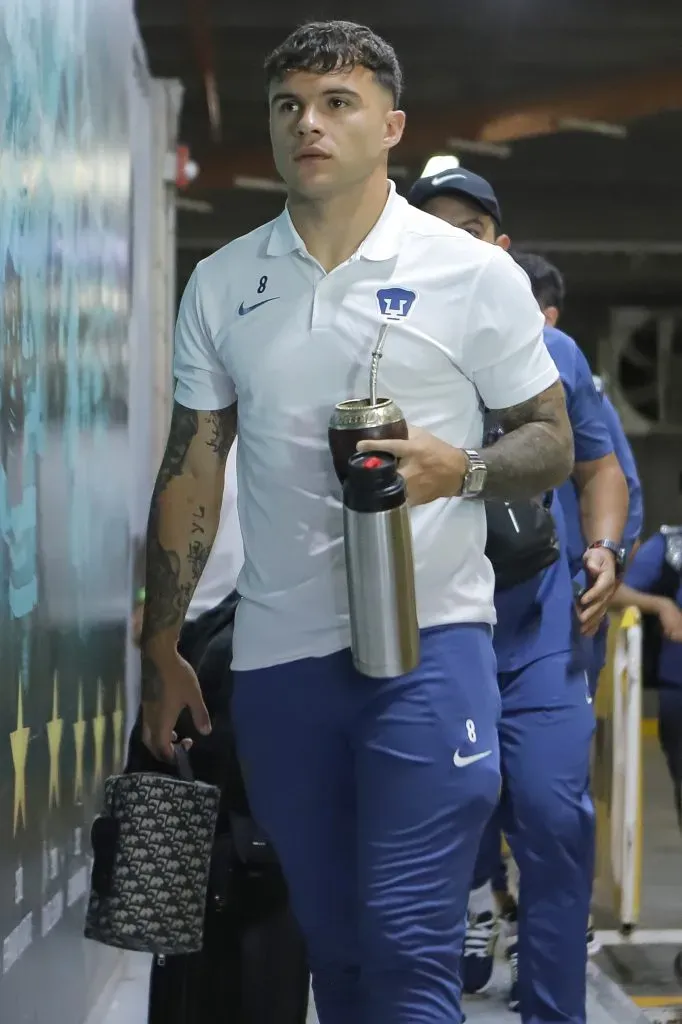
(641, 363)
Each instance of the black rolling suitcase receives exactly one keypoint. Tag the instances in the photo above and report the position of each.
(253, 972)
(253, 968)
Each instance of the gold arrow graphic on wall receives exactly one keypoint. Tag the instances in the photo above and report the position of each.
(19, 740)
(79, 729)
(55, 730)
(117, 723)
(99, 727)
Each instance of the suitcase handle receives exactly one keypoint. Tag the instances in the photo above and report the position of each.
(182, 763)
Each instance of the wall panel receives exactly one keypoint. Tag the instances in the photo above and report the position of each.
(65, 275)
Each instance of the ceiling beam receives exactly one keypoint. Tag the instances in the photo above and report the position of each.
(432, 15)
(616, 102)
(426, 134)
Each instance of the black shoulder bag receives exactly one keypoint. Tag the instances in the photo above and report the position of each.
(522, 535)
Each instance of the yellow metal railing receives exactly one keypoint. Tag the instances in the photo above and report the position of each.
(617, 771)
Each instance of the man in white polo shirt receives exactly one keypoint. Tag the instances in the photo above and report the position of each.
(374, 792)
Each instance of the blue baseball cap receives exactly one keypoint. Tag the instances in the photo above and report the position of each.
(457, 182)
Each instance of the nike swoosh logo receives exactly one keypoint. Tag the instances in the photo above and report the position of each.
(462, 762)
(439, 179)
(243, 310)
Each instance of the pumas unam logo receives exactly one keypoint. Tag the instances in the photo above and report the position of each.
(395, 303)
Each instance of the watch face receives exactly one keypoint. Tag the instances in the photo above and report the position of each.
(476, 480)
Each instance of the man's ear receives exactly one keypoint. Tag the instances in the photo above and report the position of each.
(395, 126)
(504, 242)
(551, 315)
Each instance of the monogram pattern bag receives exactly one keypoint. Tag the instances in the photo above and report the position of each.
(152, 852)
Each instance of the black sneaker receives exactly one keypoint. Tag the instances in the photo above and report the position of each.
(593, 943)
(511, 953)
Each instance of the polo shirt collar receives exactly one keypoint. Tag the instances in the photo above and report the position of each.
(382, 243)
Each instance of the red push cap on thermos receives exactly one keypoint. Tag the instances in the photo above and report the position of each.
(379, 490)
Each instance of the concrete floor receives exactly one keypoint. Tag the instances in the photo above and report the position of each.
(647, 971)
(662, 856)
(606, 1002)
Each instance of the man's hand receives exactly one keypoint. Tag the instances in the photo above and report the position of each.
(601, 567)
(670, 617)
(165, 693)
(430, 467)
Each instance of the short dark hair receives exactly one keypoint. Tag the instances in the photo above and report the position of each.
(326, 46)
(545, 279)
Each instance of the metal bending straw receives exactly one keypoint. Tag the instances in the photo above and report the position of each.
(374, 369)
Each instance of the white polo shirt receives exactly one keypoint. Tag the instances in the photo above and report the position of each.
(224, 564)
(262, 322)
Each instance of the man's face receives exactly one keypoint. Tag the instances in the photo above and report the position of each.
(466, 215)
(331, 132)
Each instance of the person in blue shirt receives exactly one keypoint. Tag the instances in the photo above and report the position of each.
(626, 458)
(548, 287)
(653, 583)
(547, 716)
(633, 527)
(589, 651)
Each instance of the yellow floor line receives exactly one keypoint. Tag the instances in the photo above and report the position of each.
(649, 728)
(651, 1002)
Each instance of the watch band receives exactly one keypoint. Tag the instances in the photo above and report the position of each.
(475, 475)
(617, 550)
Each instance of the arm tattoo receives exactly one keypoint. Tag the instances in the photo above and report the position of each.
(183, 519)
(222, 433)
(151, 680)
(535, 453)
(196, 519)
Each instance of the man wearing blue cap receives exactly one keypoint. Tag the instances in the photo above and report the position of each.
(463, 199)
(589, 651)
(548, 288)
(547, 717)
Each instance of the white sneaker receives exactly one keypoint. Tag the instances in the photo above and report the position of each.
(481, 937)
(513, 960)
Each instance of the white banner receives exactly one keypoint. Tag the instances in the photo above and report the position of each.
(617, 775)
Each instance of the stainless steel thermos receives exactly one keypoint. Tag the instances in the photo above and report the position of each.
(379, 567)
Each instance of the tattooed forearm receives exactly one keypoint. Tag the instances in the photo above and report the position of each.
(167, 595)
(151, 680)
(536, 451)
(183, 520)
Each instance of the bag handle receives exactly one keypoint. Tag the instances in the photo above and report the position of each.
(182, 763)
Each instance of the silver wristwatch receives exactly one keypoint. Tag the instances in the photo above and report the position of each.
(475, 475)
